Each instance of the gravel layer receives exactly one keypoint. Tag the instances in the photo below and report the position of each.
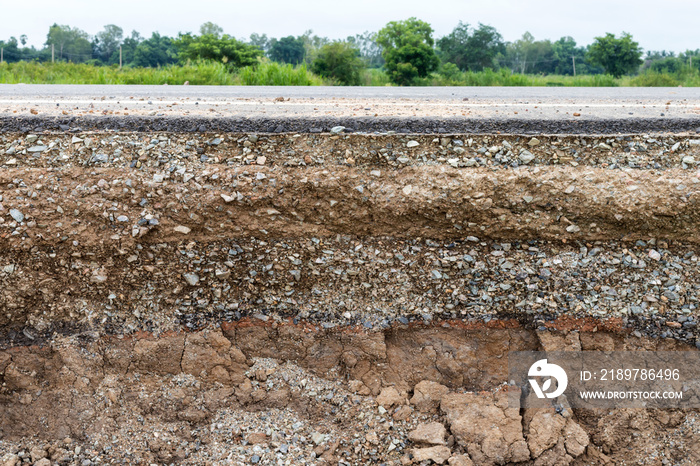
(295, 289)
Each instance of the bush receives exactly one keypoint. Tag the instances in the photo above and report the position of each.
(654, 79)
(339, 61)
(275, 74)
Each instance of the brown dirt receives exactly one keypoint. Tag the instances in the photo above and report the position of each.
(196, 291)
(83, 388)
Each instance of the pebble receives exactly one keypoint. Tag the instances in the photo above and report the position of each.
(318, 438)
(192, 279)
(337, 129)
(526, 157)
(182, 229)
(17, 215)
(412, 144)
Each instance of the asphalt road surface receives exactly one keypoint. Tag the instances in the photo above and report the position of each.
(471, 109)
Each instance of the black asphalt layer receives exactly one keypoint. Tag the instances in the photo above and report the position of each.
(429, 125)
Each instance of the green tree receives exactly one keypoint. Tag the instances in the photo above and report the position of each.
(340, 61)
(471, 49)
(11, 50)
(129, 47)
(527, 55)
(370, 51)
(287, 50)
(407, 50)
(312, 45)
(225, 49)
(260, 41)
(617, 56)
(70, 44)
(156, 51)
(211, 29)
(106, 44)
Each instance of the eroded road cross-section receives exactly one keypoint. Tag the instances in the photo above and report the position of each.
(245, 288)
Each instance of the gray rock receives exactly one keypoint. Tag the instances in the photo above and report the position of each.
(337, 129)
(318, 438)
(526, 157)
(37, 149)
(17, 215)
(182, 229)
(192, 279)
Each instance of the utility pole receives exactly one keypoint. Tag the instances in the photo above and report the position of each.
(573, 59)
(52, 52)
(120, 57)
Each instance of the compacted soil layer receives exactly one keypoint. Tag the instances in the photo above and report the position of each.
(334, 298)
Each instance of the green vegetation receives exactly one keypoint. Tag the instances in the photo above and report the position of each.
(339, 61)
(408, 50)
(204, 73)
(274, 74)
(221, 49)
(472, 49)
(617, 56)
(287, 50)
(401, 53)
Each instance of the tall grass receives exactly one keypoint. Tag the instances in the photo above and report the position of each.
(275, 74)
(505, 77)
(268, 73)
(71, 73)
(374, 77)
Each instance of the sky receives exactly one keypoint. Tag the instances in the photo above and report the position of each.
(656, 25)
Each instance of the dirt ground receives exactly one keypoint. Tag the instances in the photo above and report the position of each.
(244, 298)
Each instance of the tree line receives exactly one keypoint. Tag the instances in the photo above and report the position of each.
(405, 50)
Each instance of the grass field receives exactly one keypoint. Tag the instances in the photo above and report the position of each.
(275, 74)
